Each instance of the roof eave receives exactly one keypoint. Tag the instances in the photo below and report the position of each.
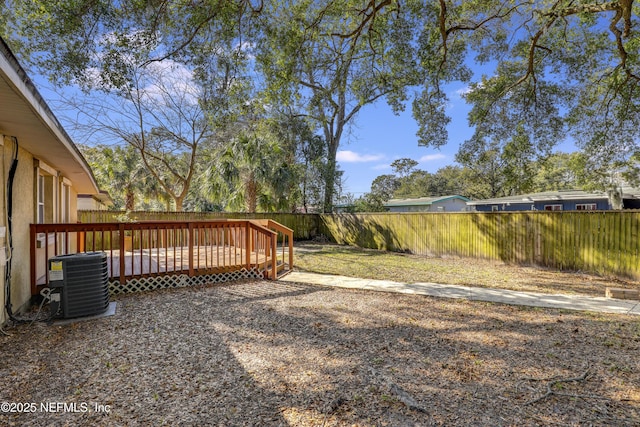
(37, 128)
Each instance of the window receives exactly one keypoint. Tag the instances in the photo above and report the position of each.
(46, 206)
(40, 219)
(65, 203)
(586, 207)
(494, 208)
(552, 207)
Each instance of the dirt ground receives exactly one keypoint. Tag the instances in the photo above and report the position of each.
(261, 353)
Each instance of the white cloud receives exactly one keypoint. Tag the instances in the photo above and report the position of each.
(167, 81)
(347, 156)
(432, 157)
(463, 91)
(247, 48)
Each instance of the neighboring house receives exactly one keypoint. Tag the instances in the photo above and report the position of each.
(452, 203)
(94, 202)
(563, 200)
(49, 174)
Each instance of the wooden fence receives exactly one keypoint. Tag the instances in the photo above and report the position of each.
(604, 242)
(305, 227)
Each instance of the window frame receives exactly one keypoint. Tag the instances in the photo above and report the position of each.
(41, 205)
(553, 207)
(65, 201)
(47, 193)
(586, 206)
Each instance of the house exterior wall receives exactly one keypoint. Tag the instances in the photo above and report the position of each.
(567, 205)
(571, 205)
(86, 203)
(73, 207)
(447, 205)
(3, 239)
(23, 211)
(56, 211)
(413, 208)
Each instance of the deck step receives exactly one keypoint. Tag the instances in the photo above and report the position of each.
(280, 267)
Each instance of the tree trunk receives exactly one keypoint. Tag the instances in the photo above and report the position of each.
(252, 194)
(329, 186)
(179, 201)
(330, 175)
(304, 186)
(129, 199)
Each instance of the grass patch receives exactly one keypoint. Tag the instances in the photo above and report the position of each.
(373, 264)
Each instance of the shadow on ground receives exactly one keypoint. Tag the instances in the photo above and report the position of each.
(273, 353)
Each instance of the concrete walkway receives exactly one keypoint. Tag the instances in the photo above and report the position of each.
(568, 302)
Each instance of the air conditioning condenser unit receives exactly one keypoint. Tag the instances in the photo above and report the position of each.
(79, 284)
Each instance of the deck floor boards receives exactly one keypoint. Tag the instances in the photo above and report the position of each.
(169, 260)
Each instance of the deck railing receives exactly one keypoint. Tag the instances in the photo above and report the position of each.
(153, 248)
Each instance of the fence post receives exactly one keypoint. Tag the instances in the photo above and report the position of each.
(290, 241)
(190, 242)
(274, 256)
(247, 243)
(121, 249)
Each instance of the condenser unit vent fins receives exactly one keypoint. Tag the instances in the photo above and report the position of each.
(83, 283)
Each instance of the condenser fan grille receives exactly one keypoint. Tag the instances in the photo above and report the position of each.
(83, 283)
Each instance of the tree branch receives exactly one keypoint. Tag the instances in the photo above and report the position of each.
(368, 18)
(584, 8)
(191, 37)
(446, 32)
(554, 381)
(623, 9)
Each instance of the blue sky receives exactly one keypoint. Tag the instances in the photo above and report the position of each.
(373, 141)
(379, 137)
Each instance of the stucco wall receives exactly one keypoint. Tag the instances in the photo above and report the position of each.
(3, 224)
(23, 215)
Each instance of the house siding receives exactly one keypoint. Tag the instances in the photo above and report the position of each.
(567, 205)
(420, 208)
(86, 203)
(451, 205)
(447, 205)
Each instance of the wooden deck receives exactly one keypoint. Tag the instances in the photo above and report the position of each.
(153, 248)
(207, 259)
